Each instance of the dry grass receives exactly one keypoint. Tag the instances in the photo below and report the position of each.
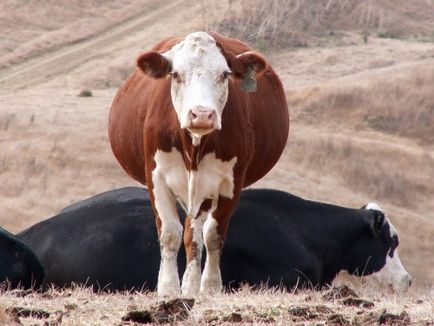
(363, 137)
(391, 159)
(6, 119)
(307, 22)
(398, 101)
(30, 28)
(267, 306)
(359, 168)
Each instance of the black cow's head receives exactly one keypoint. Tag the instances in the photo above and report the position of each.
(374, 252)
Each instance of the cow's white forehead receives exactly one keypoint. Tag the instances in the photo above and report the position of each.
(197, 50)
(374, 206)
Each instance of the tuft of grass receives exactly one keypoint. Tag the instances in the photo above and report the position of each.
(6, 120)
(386, 35)
(85, 93)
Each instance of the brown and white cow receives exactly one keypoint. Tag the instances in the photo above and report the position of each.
(201, 118)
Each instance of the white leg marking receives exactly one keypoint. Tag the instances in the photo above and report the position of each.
(211, 278)
(191, 278)
(170, 235)
(171, 179)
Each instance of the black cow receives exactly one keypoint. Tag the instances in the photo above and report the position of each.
(19, 266)
(109, 242)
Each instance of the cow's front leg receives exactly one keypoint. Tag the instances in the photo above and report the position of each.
(170, 235)
(193, 242)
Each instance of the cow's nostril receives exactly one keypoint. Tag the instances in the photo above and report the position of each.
(410, 281)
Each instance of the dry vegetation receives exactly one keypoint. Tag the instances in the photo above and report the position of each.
(31, 28)
(397, 103)
(313, 22)
(339, 306)
(362, 112)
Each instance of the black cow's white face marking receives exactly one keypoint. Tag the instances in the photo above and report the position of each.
(393, 273)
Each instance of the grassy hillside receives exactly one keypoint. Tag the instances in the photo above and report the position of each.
(358, 77)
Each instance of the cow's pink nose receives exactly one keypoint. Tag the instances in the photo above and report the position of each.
(202, 118)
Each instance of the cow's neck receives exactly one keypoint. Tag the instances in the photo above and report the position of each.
(192, 151)
(340, 235)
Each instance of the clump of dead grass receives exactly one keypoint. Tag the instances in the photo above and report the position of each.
(305, 22)
(6, 120)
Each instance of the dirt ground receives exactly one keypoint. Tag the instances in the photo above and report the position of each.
(54, 147)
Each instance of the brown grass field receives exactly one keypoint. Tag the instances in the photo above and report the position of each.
(359, 79)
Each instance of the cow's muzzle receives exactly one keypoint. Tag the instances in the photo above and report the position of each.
(202, 118)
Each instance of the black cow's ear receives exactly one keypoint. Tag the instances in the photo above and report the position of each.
(377, 222)
(154, 64)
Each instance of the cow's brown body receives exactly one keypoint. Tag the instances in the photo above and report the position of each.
(254, 130)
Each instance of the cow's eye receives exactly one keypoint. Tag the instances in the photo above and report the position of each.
(395, 242)
(176, 76)
(225, 75)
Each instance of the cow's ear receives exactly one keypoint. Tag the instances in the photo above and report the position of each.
(247, 62)
(246, 66)
(376, 222)
(154, 64)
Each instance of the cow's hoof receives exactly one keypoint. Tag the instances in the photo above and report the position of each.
(191, 281)
(168, 289)
(211, 286)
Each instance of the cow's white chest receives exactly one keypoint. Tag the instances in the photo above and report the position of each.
(212, 179)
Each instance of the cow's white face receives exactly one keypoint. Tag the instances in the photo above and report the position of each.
(199, 86)
(393, 273)
(200, 70)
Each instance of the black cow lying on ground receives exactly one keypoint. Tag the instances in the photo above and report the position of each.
(110, 242)
(19, 266)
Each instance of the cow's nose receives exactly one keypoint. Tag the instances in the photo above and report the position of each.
(202, 118)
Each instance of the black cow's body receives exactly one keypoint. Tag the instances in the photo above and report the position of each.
(19, 266)
(108, 241)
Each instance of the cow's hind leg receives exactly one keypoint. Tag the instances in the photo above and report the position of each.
(214, 232)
